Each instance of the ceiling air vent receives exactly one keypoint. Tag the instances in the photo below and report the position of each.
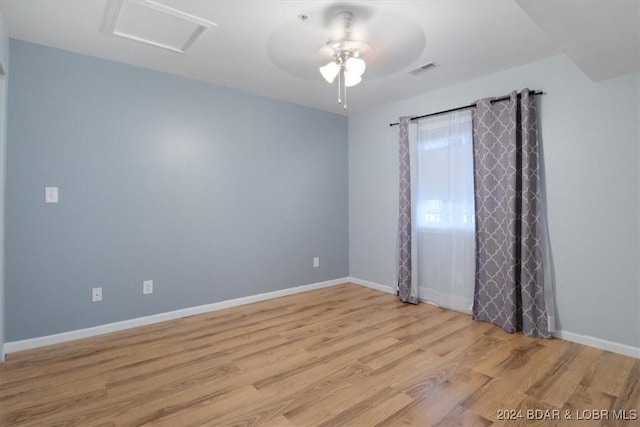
(422, 69)
(153, 23)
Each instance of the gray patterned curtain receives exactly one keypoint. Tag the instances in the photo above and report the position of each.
(510, 279)
(407, 289)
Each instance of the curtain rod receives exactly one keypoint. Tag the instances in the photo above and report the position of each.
(503, 98)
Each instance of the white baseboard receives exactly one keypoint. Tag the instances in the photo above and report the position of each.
(12, 347)
(614, 347)
(372, 285)
(461, 306)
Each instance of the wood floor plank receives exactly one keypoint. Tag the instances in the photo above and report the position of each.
(629, 400)
(509, 353)
(314, 394)
(331, 404)
(433, 405)
(291, 379)
(190, 407)
(371, 411)
(564, 377)
(609, 374)
(587, 400)
(338, 356)
(278, 421)
(507, 389)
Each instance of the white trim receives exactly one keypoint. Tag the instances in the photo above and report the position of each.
(372, 285)
(461, 307)
(614, 347)
(11, 347)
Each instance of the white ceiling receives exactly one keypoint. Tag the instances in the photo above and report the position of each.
(263, 48)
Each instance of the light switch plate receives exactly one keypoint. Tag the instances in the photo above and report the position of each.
(51, 194)
(147, 287)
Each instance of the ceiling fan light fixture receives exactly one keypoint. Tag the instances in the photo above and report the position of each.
(351, 79)
(330, 71)
(346, 62)
(355, 66)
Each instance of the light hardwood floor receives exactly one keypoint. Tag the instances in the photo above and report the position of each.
(339, 356)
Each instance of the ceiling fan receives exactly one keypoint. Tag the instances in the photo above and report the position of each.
(346, 63)
(342, 41)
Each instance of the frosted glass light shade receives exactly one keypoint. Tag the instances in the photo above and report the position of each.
(330, 71)
(355, 66)
(351, 79)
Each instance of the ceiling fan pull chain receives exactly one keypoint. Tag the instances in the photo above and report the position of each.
(345, 97)
(339, 75)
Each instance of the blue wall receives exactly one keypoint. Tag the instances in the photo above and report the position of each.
(212, 193)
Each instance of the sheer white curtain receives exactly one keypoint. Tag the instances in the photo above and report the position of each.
(443, 209)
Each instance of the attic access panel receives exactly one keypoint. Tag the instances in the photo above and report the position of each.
(155, 24)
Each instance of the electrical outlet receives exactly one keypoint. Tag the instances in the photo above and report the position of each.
(51, 194)
(147, 287)
(96, 295)
(316, 262)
